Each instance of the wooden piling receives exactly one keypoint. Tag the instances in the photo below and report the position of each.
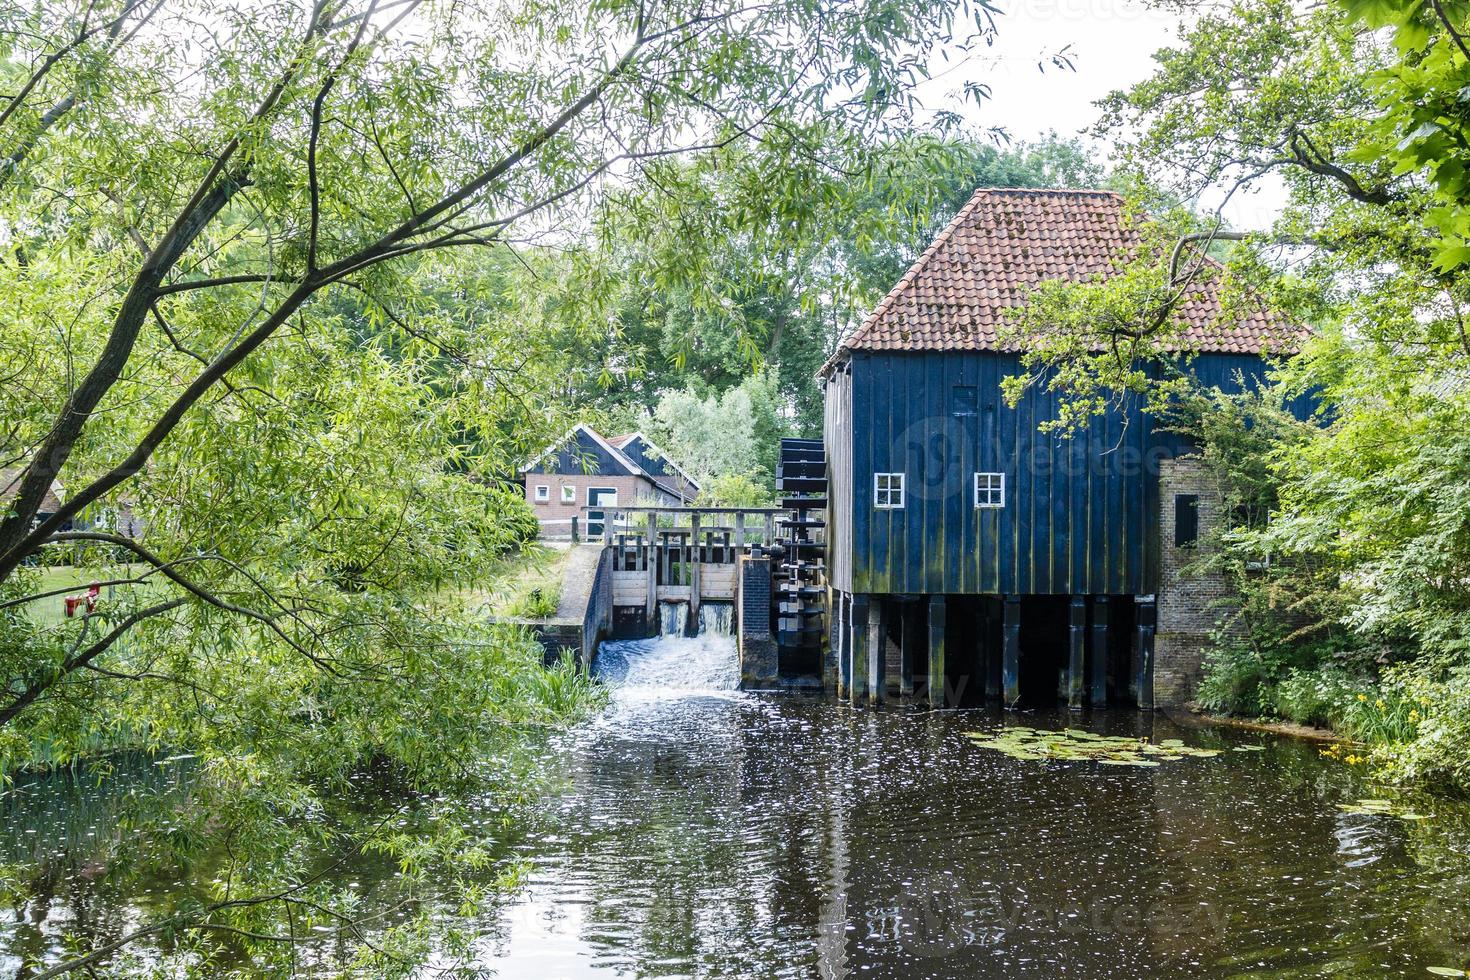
(1143, 652)
(1011, 652)
(877, 651)
(938, 689)
(1097, 656)
(990, 654)
(911, 641)
(694, 575)
(858, 671)
(1076, 647)
(843, 635)
(650, 561)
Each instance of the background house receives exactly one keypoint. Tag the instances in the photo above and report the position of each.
(583, 469)
(10, 486)
(1007, 549)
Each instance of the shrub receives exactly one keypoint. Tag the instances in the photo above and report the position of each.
(534, 604)
(1418, 724)
(734, 490)
(1238, 680)
(1316, 697)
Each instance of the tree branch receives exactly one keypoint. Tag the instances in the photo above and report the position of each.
(168, 571)
(80, 659)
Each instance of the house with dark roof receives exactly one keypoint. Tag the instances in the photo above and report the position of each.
(976, 552)
(10, 486)
(583, 469)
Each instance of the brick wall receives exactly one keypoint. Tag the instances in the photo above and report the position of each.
(759, 659)
(1189, 611)
(556, 516)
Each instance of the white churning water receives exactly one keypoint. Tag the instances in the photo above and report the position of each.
(714, 617)
(673, 663)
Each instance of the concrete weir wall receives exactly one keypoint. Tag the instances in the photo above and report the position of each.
(584, 612)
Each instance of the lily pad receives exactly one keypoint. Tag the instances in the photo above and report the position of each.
(1382, 808)
(1076, 745)
(1447, 971)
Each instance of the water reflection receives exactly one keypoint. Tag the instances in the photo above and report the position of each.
(702, 832)
(713, 834)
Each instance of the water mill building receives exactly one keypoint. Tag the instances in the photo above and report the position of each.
(969, 551)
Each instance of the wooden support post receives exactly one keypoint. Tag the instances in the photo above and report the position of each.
(694, 565)
(843, 636)
(938, 687)
(575, 536)
(740, 532)
(832, 656)
(877, 651)
(992, 657)
(1097, 656)
(911, 642)
(858, 671)
(651, 560)
(770, 531)
(1076, 646)
(1011, 652)
(1143, 652)
(607, 527)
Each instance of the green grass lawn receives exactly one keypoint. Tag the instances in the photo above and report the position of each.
(51, 611)
(526, 584)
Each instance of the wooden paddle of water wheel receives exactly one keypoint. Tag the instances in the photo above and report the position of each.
(801, 576)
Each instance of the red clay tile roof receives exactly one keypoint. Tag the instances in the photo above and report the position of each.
(10, 486)
(1003, 243)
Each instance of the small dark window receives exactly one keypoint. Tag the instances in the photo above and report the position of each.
(1186, 520)
(966, 399)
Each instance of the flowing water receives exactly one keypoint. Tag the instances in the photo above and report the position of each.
(704, 832)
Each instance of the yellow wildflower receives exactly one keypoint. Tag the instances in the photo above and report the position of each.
(1362, 697)
(1378, 704)
(1413, 716)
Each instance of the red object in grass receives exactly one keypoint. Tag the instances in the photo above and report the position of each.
(90, 599)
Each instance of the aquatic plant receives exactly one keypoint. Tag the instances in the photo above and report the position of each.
(1075, 745)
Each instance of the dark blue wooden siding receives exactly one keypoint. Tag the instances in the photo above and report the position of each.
(581, 454)
(653, 463)
(1080, 513)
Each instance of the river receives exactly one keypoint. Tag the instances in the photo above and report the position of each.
(698, 831)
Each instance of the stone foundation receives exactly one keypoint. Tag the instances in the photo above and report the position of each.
(1189, 604)
(759, 658)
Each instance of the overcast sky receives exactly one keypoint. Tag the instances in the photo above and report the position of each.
(1111, 45)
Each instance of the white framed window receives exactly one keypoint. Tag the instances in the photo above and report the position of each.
(568, 493)
(990, 490)
(888, 491)
(543, 493)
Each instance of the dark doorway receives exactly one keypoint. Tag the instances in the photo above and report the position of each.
(605, 496)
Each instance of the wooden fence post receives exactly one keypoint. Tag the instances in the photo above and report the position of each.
(694, 575)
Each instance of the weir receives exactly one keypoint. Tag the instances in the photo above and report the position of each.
(704, 571)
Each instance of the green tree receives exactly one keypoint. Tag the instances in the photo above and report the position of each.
(267, 271)
(1361, 126)
(705, 296)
